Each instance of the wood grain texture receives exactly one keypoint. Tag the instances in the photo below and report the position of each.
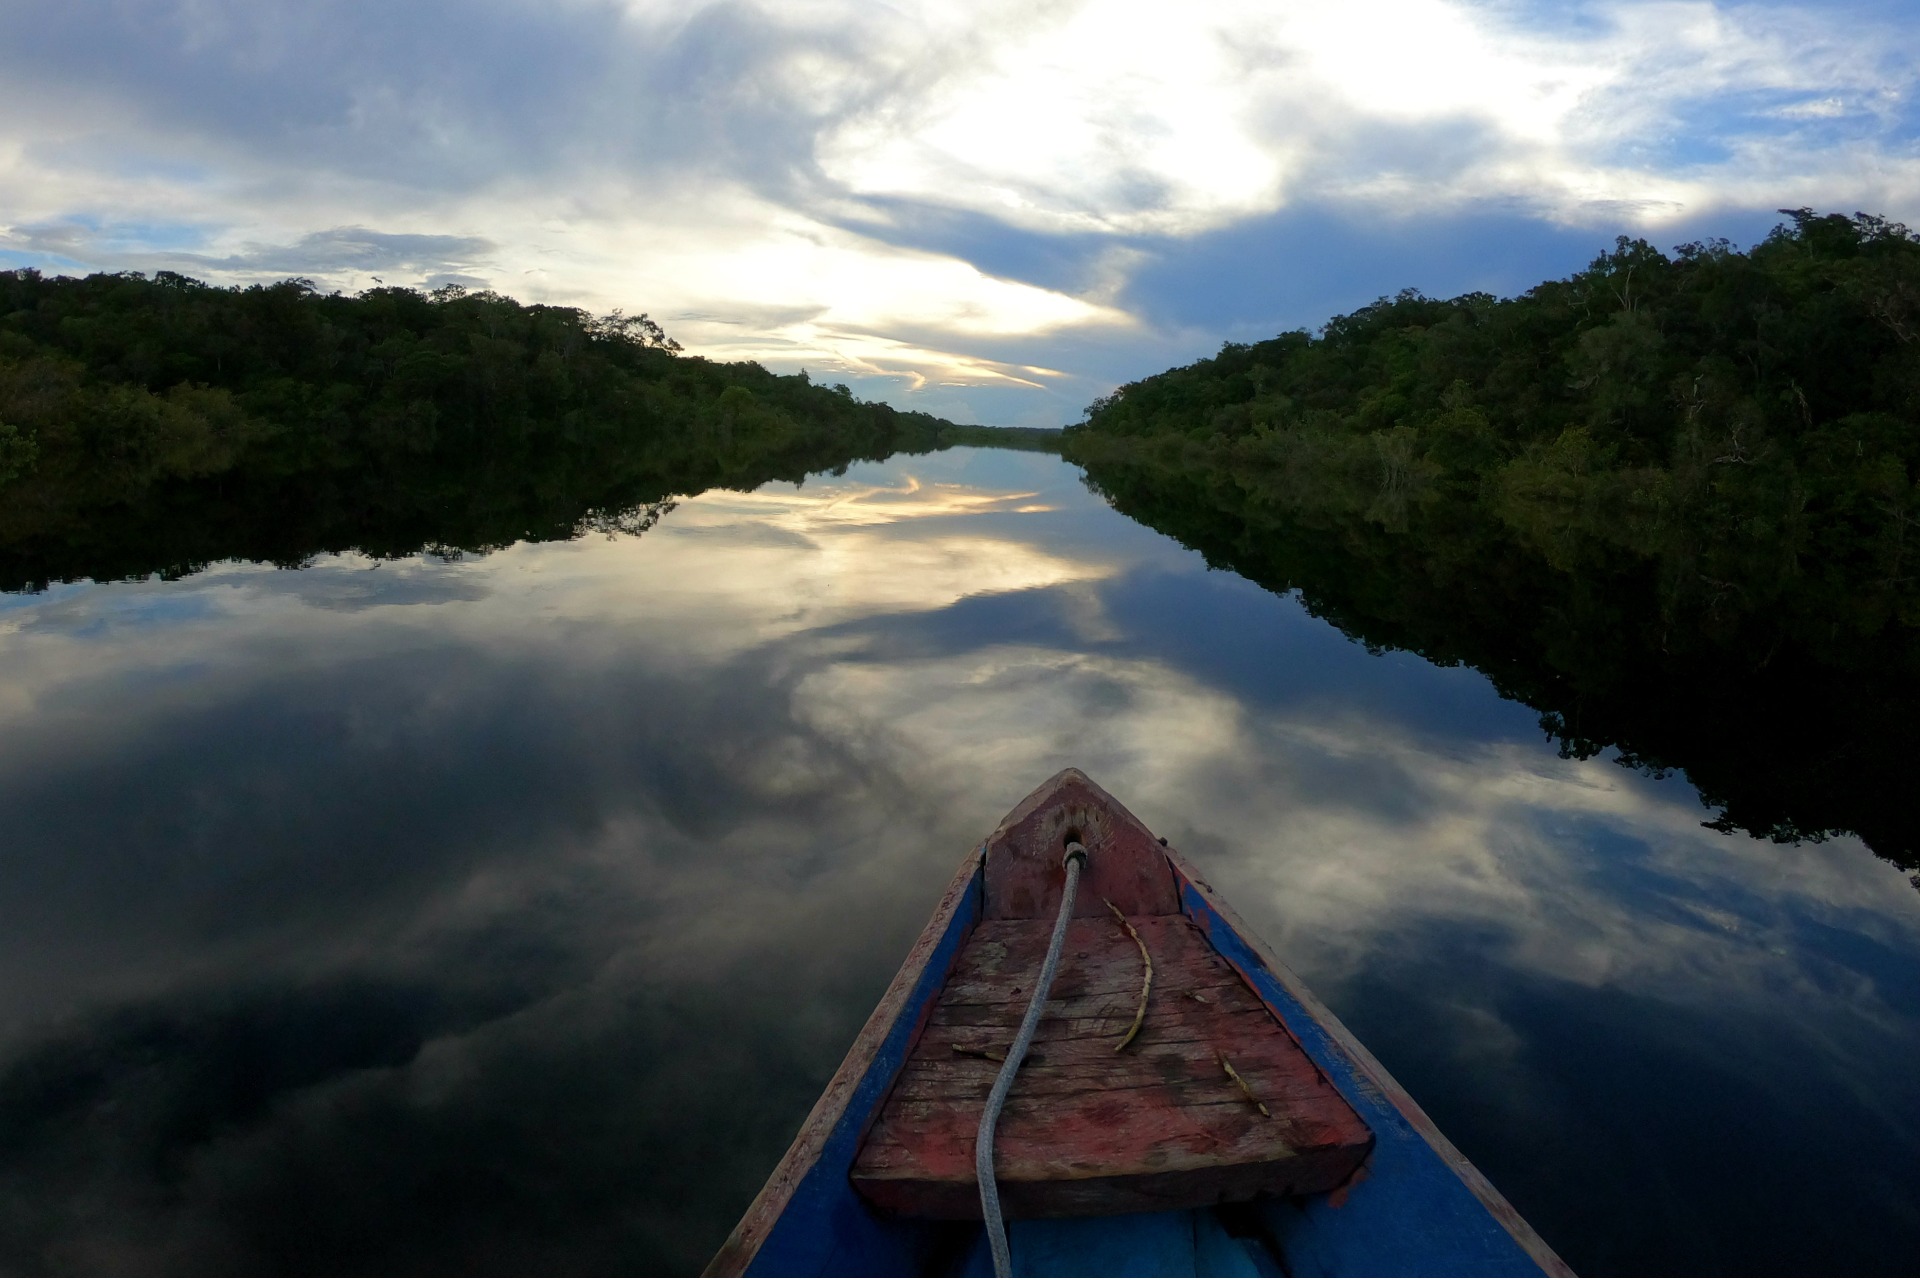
(1087, 1130)
(1125, 864)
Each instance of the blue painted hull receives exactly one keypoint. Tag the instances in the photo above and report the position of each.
(1419, 1209)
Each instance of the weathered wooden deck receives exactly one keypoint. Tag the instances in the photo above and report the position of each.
(1087, 1130)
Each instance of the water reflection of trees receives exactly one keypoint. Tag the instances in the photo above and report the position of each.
(1669, 503)
(155, 426)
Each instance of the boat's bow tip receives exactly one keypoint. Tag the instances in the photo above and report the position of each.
(1064, 783)
(1022, 856)
(1072, 773)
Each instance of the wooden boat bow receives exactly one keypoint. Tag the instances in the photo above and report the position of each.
(1240, 1089)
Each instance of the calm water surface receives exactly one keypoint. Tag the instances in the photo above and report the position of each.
(508, 913)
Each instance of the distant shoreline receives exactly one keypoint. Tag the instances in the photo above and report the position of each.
(1031, 439)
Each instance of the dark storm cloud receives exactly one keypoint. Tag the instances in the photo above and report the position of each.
(1301, 266)
(436, 95)
(358, 249)
(1068, 262)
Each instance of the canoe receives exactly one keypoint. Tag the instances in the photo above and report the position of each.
(1187, 1107)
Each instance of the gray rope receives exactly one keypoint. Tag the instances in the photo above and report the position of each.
(983, 1145)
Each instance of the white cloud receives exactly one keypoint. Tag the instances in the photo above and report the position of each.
(1108, 117)
(749, 172)
(1113, 118)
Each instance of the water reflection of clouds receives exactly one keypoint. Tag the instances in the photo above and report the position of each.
(1343, 830)
(1540, 855)
(557, 863)
(1331, 825)
(865, 552)
(1333, 832)
(857, 503)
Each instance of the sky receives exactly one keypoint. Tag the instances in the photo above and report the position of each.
(992, 211)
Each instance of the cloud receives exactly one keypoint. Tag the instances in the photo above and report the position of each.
(897, 194)
(359, 249)
(351, 250)
(1105, 119)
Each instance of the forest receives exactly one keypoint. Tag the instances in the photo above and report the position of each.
(1669, 502)
(154, 425)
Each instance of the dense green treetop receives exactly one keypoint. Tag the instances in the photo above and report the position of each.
(1815, 325)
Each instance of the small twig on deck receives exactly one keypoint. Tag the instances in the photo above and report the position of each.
(991, 1055)
(1244, 1086)
(1146, 981)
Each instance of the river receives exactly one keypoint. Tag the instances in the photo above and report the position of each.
(507, 912)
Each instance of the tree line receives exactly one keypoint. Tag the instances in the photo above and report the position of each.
(155, 424)
(1670, 502)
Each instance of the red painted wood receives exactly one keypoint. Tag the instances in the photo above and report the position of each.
(1089, 1131)
(1125, 864)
